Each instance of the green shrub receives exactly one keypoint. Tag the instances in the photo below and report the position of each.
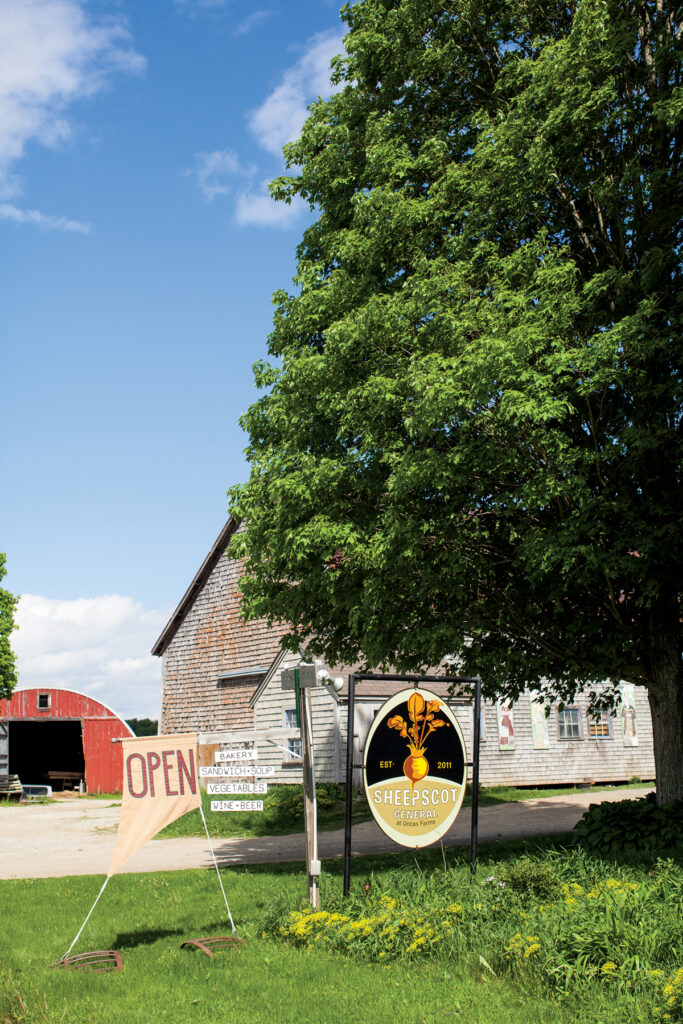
(630, 827)
(564, 922)
(618, 931)
(532, 877)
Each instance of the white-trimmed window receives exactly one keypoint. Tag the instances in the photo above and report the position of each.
(294, 749)
(290, 718)
(569, 724)
(43, 701)
(599, 727)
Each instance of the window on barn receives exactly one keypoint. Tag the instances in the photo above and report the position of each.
(599, 728)
(43, 701)
(241, 677)
(569, 724)
(294, 749)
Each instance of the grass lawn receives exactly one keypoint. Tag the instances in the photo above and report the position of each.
(283, 810)
(274, 981)
(146, 917)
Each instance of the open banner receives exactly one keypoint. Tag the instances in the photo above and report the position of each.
(160, 783)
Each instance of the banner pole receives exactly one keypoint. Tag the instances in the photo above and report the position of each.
(220, 880)
(86, 920)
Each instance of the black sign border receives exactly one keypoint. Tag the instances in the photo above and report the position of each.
(394, 701)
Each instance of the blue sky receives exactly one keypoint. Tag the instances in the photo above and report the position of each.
(139, 251)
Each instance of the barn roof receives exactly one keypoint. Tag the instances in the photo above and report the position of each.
(190, 595)
(10, 706)
(369, 688)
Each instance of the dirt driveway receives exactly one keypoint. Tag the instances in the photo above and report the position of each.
(76, 836)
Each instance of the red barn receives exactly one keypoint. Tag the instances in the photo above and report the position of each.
(61, 738)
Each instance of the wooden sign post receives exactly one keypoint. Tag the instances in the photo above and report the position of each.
(301, 680)
(310, 810)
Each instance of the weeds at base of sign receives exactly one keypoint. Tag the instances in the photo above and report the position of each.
(213, 944)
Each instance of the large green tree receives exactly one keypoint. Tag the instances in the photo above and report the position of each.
(469, 441)
(8, 603)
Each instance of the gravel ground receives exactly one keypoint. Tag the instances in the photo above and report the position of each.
(76, 836)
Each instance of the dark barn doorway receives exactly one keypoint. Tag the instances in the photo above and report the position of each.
(41, 752)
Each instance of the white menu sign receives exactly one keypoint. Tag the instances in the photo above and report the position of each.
(237, 805)
(214, 788)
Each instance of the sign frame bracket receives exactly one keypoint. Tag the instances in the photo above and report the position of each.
(474, 681)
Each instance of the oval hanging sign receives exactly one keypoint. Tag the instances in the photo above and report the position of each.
(414, 768)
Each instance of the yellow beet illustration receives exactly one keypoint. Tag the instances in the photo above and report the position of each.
(415, 766)
(423, 716)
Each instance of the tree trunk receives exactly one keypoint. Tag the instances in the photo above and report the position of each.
(665, 692)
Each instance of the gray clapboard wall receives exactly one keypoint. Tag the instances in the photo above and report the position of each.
(581, 760)
(578, 760)
(271, 704)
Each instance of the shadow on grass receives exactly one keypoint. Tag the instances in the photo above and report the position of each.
(428, 859)
(214, 929)
(129, 940)
(456, 857)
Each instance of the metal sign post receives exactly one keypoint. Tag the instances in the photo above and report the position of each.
(474, 763)
(349, 784)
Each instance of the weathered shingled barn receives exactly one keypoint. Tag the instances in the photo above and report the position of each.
(221, 677)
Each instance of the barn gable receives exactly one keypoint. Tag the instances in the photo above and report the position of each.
(213, 660)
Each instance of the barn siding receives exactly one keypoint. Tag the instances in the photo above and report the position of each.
(212, 639)
(565, 761)
(269, 713)
(99, 726)
(63, 704)
(579, 761)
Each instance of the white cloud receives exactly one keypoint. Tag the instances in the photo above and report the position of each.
(278, 120)
(191, 5)
(280, 117)
(212, 171)
(251, 21)
(257, 209)
(42, 220)
(51, 55)
(97, 645)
